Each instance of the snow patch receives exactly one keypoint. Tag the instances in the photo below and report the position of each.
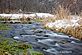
(17, 16)
(64, 23)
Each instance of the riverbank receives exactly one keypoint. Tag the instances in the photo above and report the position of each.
(72, 26)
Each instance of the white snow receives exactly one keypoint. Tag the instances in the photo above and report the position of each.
(64, 23)
(44, 15)
(16, 16)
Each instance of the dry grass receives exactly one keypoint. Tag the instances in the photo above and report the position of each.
(64, 13)
(75, 32)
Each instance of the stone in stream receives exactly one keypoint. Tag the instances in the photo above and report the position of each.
(39, 31)
(43, 32)
(29, 32)
(56, 44)
(39, 34)
(17, 37)
(73, 42)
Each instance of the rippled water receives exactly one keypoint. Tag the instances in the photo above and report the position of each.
(47, 41)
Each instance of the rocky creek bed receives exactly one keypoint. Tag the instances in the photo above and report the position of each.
(43, 40)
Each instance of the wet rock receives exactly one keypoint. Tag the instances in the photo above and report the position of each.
(39, 30)
(29, 32)
(17, 37)
(56, 44)
(73, 42)
(39, 34)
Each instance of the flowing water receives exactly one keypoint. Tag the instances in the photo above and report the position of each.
(46, 41)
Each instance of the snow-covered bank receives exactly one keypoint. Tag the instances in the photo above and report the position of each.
(64, 23)
(71, 26)
(16, 16)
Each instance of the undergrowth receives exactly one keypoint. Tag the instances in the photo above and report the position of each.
(4, 26)
(9, 46)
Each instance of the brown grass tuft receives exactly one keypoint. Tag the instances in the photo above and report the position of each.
(62, 13)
